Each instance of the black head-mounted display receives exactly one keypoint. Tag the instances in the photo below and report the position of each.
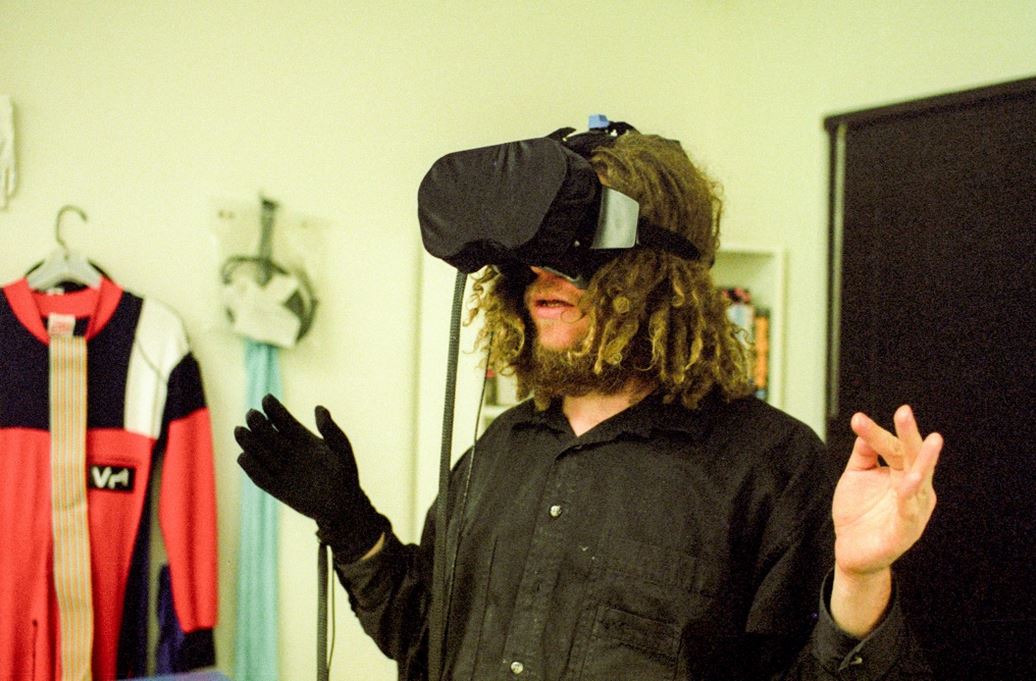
(535, 202)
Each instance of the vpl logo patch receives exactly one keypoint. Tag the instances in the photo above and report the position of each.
(114, 478)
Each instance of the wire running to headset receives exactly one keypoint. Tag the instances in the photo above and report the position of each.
(535, 202)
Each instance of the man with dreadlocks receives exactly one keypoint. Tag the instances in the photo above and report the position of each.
(642, 516)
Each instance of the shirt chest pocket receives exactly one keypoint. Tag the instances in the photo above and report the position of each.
(644, 597)
(623, 645)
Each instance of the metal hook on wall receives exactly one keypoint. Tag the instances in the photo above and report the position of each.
(57, 222)
(269, 209)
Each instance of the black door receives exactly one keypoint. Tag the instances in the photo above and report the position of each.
(933, 286)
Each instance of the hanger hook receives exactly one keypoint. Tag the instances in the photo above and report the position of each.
(57, 222)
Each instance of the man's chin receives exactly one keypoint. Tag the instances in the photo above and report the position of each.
(557, 343)
(549, 347)
(559, 373)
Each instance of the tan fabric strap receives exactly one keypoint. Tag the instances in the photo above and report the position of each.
(72, 583)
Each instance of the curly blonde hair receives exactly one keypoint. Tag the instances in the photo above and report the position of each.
(655, 315)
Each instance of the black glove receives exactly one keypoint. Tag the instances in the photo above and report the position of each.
(315, 476)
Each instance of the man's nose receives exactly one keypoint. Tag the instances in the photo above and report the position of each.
(543, 273)
(548, 275)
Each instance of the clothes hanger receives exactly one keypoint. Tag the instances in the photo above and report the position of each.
(64, 266)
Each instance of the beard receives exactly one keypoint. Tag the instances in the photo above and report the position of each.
(548, 374)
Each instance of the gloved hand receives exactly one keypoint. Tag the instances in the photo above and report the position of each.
(7, 169)
(315, 476)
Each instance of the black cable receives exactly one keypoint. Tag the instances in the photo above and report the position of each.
(440, 578)
(323, 664)
(463, 505)
(334, 625)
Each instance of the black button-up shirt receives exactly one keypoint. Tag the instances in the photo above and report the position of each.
(662, 544)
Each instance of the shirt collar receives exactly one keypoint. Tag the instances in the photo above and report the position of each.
(642, 420)
(30, 306)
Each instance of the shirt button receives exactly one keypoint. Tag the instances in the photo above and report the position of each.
(555, 510)
(517, 667)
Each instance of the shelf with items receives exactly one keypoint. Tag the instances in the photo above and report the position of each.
(759, 270)
(501, 395)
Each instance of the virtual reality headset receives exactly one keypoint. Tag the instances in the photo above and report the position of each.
(535, 202)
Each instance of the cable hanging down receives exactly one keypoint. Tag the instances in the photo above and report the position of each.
(440, 577)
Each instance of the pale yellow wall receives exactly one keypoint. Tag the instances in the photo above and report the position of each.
(142, 112)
